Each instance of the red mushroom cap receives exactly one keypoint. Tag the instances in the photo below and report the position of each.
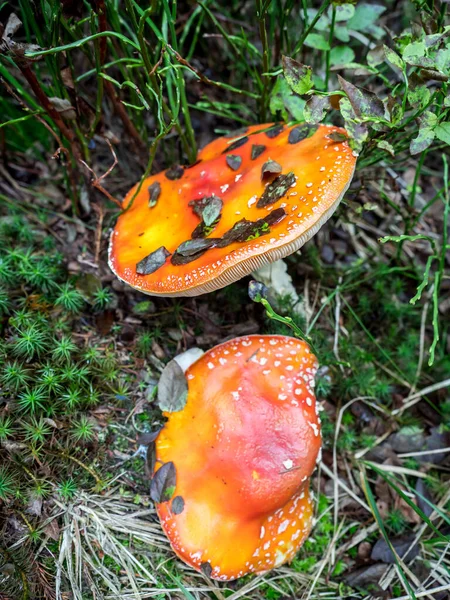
(244, 448)
(248, 201)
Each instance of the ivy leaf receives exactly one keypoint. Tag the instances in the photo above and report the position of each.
(341, 55)
(174, 173)
(163, 484)
(316, 108)
(172, 388)
(365, 19)
(364, 102)
(153, 261)
(344, 11)
(317, 41)
(257, 150)
(418, 95)
(337, 137)
(245, 230)
(422, 141)
(297, 75)
(376, 56)
(212, 210)
(412, 53)
(393, 58)
(384, 145)
(442, 132)
(300, 133)
(206, 569)
(358, 131)
(284, 100)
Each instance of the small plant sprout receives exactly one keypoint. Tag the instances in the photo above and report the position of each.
(30, 341)
(36, 430)
(64, 348)
(67, 488)
(6, 428)
(4, 302)
(15, 375)
(257, 292)
(69, 298)
(32, 400)
(102, 298)
(7, 484)
(72, 398)
(83, 429)
(436, 258)
(50, 379)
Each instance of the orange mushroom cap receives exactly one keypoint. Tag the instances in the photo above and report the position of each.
(248, 201)
(243, 447)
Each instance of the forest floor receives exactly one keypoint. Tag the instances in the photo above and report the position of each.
(82, 352)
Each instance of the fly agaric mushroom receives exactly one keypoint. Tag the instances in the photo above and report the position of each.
(248, 201)
(241, 453)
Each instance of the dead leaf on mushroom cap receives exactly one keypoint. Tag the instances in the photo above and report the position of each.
(236, 180)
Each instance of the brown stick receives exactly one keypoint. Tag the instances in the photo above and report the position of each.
(50, 109)
(96, 181)
(109, 87)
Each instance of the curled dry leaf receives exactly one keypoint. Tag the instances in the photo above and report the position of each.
(163, 483)
(152, 262)
(172, 388)
(271, 167)
(298, 76)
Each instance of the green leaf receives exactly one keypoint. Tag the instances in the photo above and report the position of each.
(344, 12)
(341, 55)
(442, 60)
(284, 100)
(323, 24)
(413, 52)
(297, 75)
(428, 119)
(442, 132)
(393, 58)
(153, 261)
(316, 108)
(341, 33)
(386, 146)
(295, 106)
(317, 41)
(419, 96)
(422, 141)
(376, 56)
(365, 18)
(364, 102)
(357, 131)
